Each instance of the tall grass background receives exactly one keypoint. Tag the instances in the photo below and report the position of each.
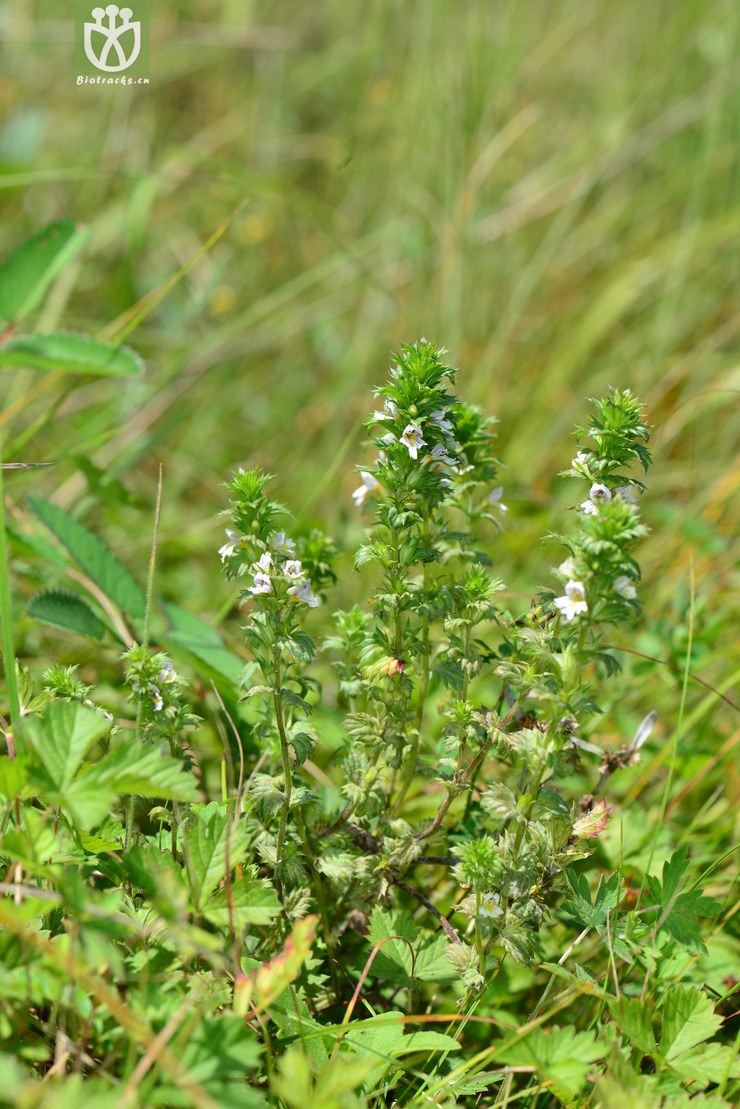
(549, 189)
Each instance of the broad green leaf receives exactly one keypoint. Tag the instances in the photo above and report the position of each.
(211, 839)
(70, 353)
(12, 777)
(706, 1064)
(62, 737)
(381, 1039)
(559, 1055)
(395, 959)
(142, 770)
(688, 1018)
(86, 802)
(294, 1082)
(635, 1020)
(26, 275)
(195, 637)
(252, 902)
(93, 556)
(65, 610)
(34, 843)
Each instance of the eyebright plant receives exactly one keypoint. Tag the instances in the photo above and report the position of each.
(420, 663)
(397, 830)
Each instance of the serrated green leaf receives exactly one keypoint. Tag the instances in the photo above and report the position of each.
(211, 838)
(252, 902)
(397, 960)
(62, 737)
(93, 556)
(588, 913)
(688, 1018)
(27, 273)
(634, 1019)
(65, 610)
(679, 913)
(142, 770)
(708, 1063)
(561, 1056)
(69, 352)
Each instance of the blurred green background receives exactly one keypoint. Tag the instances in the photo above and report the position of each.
(548, 189)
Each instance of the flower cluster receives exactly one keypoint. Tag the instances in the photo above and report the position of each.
(600, 573)
(257, 550)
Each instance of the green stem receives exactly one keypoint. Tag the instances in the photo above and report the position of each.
(6, 617)
(529, 800)
(277, 700)
(320, 899)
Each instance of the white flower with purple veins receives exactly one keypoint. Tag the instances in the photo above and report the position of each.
(293, 569)
(369, 485)
(625, 492)
(228, 549)
(412, 439)
(262, 584)
(574, 601)
(490, 907)
(280, 543)
(624, 587)
(264, 565)
(389, 412)
(304, 593)
(444, 425)
(440, 461)
(580, 459)
(567, 568)
(157, 702)
(167, 674)
(494, 499)
(598, 494)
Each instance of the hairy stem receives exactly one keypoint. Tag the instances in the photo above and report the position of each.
(277, 700)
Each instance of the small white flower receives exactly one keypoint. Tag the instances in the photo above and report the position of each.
(567, 568)
(280, 543)
(589, 508)
(412, 439)
(157, 701)
(389, 412)
(624, 587)
(494, 499)
(293, 569)
(369, 485)
(262, 584)
(106, 714)
(490, 907)
(444, 425)
(625, 492)
(304, 593)
(264, 565)
(599, 492)
(167, 673)
(440, 461)
(580, 459)
(574, 601)
(228, 548)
